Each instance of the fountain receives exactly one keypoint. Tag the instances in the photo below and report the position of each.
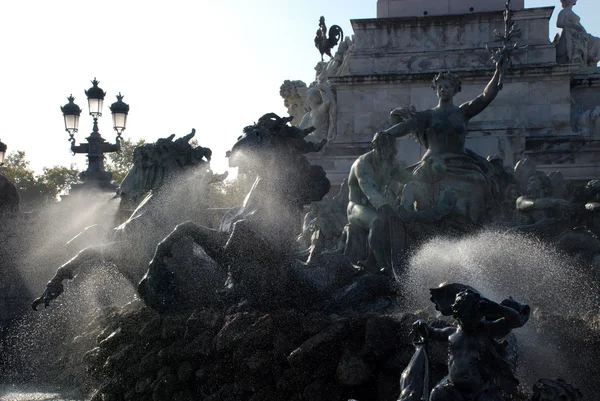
(210, 320)
(166, 307)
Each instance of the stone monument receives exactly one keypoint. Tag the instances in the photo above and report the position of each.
(418, 8)
(547, 110)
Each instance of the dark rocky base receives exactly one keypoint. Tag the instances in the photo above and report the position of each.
(132, 353)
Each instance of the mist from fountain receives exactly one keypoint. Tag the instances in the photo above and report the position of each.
(564, 297)
(37, 342)
(38, 243)
(49, 229)
(497, 264)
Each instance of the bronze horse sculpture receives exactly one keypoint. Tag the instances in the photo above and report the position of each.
(161, 173)
(257, 239)
(285, 182)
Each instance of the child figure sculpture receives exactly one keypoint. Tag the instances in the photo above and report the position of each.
(477, 368)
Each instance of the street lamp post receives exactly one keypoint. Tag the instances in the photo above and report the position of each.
(96, 146)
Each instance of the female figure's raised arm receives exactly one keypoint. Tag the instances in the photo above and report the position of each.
(477, 105)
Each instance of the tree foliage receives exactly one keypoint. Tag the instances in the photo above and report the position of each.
(229, 193)
(58, 179)
(41, 188)
(36, 189)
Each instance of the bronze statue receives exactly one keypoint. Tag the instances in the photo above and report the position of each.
(325, 43)
(571, 225)
(428, 195)
(273, 152)
(155, 164)
(534, 205)
(372, 200)
(477, 365)
(162, 174)
(555, 390)
(583, 238)
(431, 204)
(9, 196)
(256, 240)
(414, 381)
(443, 130)
(538, 212)
(576, 45)
(326, 220)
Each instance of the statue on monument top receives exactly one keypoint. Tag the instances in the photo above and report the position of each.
(325, 43)
(576, 45)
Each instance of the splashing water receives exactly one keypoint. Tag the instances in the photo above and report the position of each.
(42, 343)
(39, 346)
(501, 265)
(27, 393)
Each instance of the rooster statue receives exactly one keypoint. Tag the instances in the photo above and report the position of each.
(324, 43)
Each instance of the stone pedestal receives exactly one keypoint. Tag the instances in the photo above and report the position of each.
(395, 59)
(577, 154)
(420, 8)
(411, 45)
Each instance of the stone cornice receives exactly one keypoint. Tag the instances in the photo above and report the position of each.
(381, 23)
(529, 70)
(422, 51)
(590, 79)
(344, 148)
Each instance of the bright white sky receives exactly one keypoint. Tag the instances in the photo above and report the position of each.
(213, 65)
